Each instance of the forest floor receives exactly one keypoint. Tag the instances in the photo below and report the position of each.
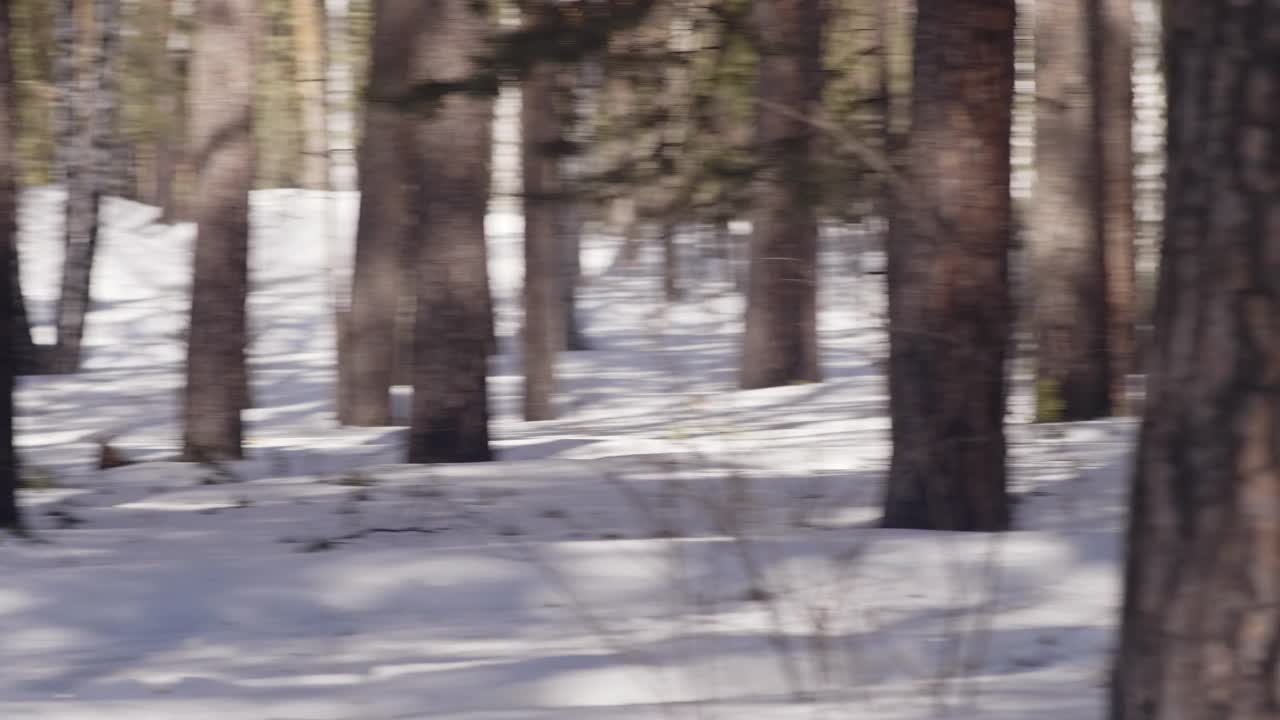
(671, 547)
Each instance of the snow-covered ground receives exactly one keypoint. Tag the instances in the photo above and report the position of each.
(670, 547)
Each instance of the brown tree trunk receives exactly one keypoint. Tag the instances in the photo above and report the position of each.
(9, 515)
(1201, 631)
(222, 146)
(948, 274)
(450, 398)
(171, 145)
(543, 316)
(384, 217)
(670, 262)
(780, 343)
(309, 52)
(1068, 265)
(1113, 66)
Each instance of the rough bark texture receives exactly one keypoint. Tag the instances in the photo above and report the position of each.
(780, 344)
(948, 274)
(1068, 263)
(543, 317)
(222, 147)
(9, 516)
(1113, 67)
(309, 53)
(384, 215)
(450, 420)
(1201, 631)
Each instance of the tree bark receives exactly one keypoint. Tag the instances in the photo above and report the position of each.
(948, 274)
(222, 76)
(9, 358)
(1113, 68)
(384, 216)
(1200, 634)
(780, 343)
(1068, 263)
(543, 316)
(341, 177)
(450, 420)
(81, 224)
(309, 55)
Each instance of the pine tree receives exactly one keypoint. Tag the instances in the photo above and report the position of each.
(451, 138)
(780, 345)
(309, 56)
(543, 333)
(9, 515)
(949, 312)
(222, 83)
(1073, 373)
(384, 216)
(1200, 621)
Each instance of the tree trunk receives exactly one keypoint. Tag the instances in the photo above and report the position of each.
(309, 53)
(1113, 67)
(780, 344)
(450, 399)
(1068, 264)
(1200, 634)
(542, 313)
(570, 235)
(9, 515)
(384, 217)
(341, 176)
(222, 76)
(81, 225)
(670, 262)
(948, 274)
(171, 145)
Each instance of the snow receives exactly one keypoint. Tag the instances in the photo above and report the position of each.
(669, 547)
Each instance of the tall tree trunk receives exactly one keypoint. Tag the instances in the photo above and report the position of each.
(569, 231)
(81, 224)
(450, 420)
(222, 145)
(9, 515)
(780, 343)
(1200, 634)
(670, 261)
(543, 316)
(948, 274)
(569, 217)
(171, 145)
(309, 54)
(1070, 288)
(341, 176)
(384, 217)
(1113, 68)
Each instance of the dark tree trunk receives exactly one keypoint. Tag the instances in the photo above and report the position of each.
(450, 398)
(1068, 266)
(384, 217)
(780, 343)
(9, 358)
(948, 274)
(570, 234)
(543, 316)
(222, 146)
(1200, 636)
(1113, 64)
(670, 263)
